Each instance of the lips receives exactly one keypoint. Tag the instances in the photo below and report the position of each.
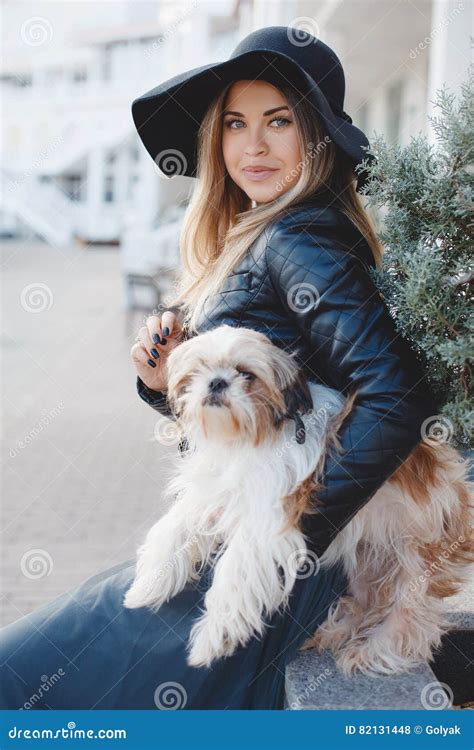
(258, 173)
(260, 169)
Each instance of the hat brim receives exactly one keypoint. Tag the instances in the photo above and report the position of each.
(168, 117)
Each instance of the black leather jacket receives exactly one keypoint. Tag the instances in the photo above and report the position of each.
(347, 340)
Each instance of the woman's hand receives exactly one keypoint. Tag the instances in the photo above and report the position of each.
(155, 341)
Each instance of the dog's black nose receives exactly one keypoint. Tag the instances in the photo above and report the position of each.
(217, 385)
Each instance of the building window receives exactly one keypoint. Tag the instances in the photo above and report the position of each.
(106, 63)
(109, 190)
(132, 183)
(79, 75)
(23, 81)
(73, 186)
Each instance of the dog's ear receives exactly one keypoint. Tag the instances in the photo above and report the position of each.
(297, 397)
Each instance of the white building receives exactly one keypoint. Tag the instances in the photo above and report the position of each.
(73, 164)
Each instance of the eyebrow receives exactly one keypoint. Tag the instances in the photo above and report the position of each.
(268, 112)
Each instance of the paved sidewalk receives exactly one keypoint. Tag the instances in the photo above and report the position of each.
(81, 470)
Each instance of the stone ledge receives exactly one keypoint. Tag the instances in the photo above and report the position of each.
(313, 682)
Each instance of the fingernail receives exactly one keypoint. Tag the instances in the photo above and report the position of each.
(166, 331)
(163, 342)
(154, 352)
(151, 363)
(156, 338)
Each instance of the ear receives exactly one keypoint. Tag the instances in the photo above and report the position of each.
(297, 396)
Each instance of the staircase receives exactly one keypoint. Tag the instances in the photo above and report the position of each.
(42, 206)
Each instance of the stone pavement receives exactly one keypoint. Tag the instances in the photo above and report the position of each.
(81, 470)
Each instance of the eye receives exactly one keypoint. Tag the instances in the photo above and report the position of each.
(247, 375)
(229, 124)
(284, 120)
(280, 119)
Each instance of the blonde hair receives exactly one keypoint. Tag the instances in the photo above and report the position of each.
(220, 224)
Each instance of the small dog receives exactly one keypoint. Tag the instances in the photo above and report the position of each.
(258, 433)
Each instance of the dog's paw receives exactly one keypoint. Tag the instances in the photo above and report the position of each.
(365, 656)
(314, 642)
(144, 592)
(206, 644)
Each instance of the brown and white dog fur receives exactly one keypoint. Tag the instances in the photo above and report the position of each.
(241, 488)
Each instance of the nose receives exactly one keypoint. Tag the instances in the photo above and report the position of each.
(217, 385)
(255, 149)
(256, 144)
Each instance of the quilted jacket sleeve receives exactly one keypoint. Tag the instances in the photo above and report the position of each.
(156, 399)
(357, 345)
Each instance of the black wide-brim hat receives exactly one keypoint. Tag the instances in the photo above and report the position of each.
(168, 116)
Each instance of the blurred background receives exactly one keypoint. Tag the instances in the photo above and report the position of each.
(89, 230)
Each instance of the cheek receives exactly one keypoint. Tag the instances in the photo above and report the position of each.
(285, 145)
(230, 152)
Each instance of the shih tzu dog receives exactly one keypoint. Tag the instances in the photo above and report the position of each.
(258, 433)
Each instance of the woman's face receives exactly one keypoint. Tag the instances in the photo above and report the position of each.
(259, 131)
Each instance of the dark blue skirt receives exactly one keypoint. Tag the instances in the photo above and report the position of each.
(84, 650)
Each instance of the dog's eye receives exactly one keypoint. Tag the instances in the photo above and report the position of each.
(246, 374)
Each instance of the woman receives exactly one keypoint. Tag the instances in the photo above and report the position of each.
(275, 239)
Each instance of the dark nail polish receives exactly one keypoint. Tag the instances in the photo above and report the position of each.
(156, 338)
(154, 352)
(166, 331)
(163, 342)
(151, 363)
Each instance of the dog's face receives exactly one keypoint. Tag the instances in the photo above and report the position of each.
(233, 384)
